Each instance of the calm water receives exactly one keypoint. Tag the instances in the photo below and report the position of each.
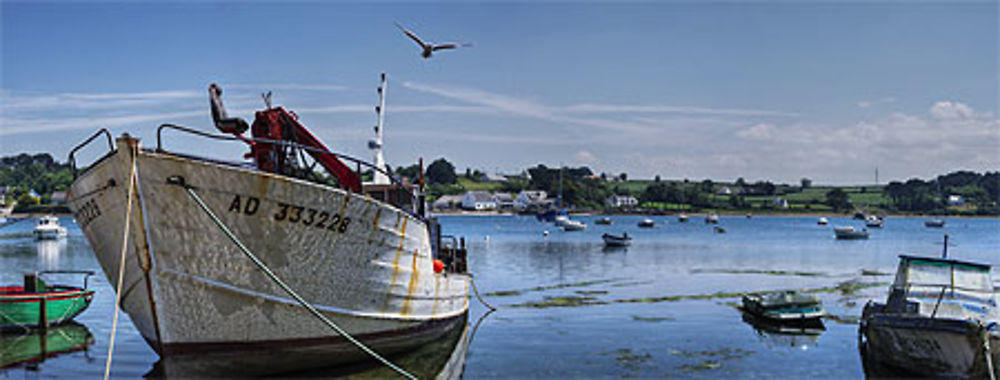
(568, 307)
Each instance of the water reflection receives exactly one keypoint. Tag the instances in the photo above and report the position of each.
(444, 358)
(30, 349)
(801, 336)
(49, 252)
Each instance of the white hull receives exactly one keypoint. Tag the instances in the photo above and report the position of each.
(364, 264)
(50, 233)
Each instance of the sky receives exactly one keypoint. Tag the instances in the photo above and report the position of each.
(762, 90)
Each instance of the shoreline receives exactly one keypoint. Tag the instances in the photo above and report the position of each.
(703, 214)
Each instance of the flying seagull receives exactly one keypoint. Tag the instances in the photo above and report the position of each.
(429, 48)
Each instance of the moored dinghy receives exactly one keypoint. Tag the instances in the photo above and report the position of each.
(940, 320)
(647, 223)
(37, 304)
(367, 258)
(784, 307)
(612, 240)
(822, 221)
(603, 221)
(849, 233)
(934, 223)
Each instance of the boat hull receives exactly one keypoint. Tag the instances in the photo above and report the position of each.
(20, 311)
(926, 347)
(364, 264)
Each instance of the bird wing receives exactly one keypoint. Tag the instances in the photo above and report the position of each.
(412, 36)
(448, 46)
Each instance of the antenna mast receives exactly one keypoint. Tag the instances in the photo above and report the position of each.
(376, 145)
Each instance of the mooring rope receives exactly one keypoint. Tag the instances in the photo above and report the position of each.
(479, 297)
(121, 263)
(267, 271)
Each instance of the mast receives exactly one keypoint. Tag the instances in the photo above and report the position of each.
(560, 186)
(376, 144)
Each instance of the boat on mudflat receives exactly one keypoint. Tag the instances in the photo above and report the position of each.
(365, 256)
(784, 307)
(940, 320)
(36, 304)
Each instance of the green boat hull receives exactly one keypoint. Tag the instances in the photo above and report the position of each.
(20, 310)
(37, 345)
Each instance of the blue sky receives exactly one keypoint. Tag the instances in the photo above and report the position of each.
(775, 91)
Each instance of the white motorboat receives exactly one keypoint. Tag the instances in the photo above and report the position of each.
(874, 221)
(712, 219)
(940, 320)
(560, 220)
(574, 225)
(822, 221)
(622, 240)
(849, 233)
(48, 228)
(365, 256)
(647, 223)
(682, 218)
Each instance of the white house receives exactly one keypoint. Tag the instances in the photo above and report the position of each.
(504, 200)
(479, 201)
(622, 201)
(956, 200)
(531, 198)
(725, 190)
(446, 202)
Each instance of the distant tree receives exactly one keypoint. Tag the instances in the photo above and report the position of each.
(838, 199)
(740, 182)
(806, 183)
(623, 176)
(657, 178)
(26, 200)
(441, 172)
(707, 186)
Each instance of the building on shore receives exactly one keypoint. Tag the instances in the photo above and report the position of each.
(447, 202)
(478, 201)
(528, 200)
(621, 201)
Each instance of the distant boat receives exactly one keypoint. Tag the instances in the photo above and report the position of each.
(934, 223)
(647, 223)
(849, 233)
(48, 228)
(749, 216)
(683, 218)
(874, 221)
(712, 219)
(549, 215)
(21, 306)
(784, 307)
(860, 215)
(573, 225)
(719, 230)
(561, 220)
(605, 221)
(617, 241)
(940, 320)
(822, 221)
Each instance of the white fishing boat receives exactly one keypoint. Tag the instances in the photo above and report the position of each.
(940, 320)
(574, 225)
(612, 240)
(48, 228)
(849, 233)
(822, 221)
(367, 258)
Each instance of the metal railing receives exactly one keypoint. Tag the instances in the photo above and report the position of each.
(72, 153)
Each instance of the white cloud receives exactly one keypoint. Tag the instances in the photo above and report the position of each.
(947, 110)
(22, 126)
(286, 87)
(617, 108)
(864, 104)
(758, 132)
(586, 157)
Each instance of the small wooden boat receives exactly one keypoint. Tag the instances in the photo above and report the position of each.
(48, 228)
(617, 241)
(785, 307)
(712, 219)
(849, 233)
(822, 221)
(934, 223)
(647, 223)
(574, 225)
(940, 320)
(604, 221)
(682, 218)
(37, 305)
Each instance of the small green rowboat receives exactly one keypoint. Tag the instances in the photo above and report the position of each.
(38, 305)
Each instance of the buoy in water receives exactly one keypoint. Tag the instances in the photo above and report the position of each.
(545, 233)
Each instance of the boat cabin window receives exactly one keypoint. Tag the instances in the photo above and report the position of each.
(937, 274)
